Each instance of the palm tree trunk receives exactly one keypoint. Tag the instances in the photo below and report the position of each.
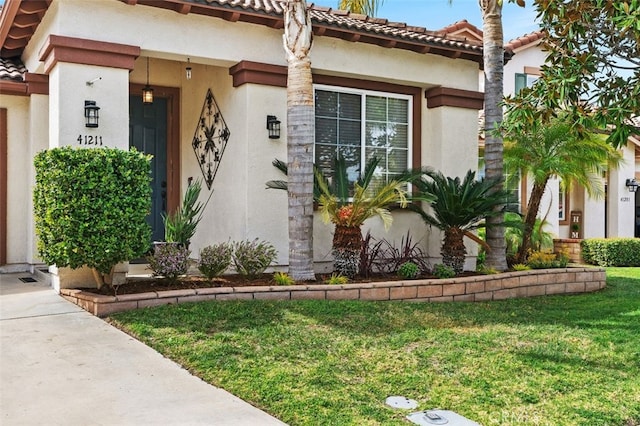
(347, 244)
(300, 134)
(530, 219)
(493, 94)
(453, 250)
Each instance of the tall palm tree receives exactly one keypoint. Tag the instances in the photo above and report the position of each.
(460, 207)
(297, 42)
(493, 52)
(554, 150)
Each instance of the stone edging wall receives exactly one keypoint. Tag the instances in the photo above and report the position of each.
(508, 285)
(571, 247)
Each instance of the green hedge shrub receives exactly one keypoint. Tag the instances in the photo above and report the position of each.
(611, 251)
(90, 206)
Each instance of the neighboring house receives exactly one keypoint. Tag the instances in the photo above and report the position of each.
(575, 214)
(614, 216)
(397, 91)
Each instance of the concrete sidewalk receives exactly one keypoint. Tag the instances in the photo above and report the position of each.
(59, 365)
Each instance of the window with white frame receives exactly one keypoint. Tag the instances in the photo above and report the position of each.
(359, 125)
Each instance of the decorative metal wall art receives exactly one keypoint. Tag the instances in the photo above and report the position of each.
(210, 138)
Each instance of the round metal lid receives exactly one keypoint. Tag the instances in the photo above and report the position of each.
(401, 402)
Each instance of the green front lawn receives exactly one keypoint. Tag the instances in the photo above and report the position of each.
(561, 360)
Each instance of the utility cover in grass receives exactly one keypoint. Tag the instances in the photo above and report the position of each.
(440, 417)
(401, 402)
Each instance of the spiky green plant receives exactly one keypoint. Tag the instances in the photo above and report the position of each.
(460, 207)
(180, 226)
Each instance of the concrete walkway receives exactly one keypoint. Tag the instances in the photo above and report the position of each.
(59, 365)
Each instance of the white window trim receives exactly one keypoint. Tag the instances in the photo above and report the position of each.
(363, 121)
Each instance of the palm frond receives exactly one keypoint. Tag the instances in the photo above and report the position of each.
(369, 171)
(341, 179)
(278, 184)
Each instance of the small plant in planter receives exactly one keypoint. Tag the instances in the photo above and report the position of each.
(215, 259)
(408, 270)
(337, 279)
(252, 258)
(169, 261)
(282, 278)
(442, 271)
(180, 226)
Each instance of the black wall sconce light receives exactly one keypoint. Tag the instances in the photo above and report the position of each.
(91, 113)
(632, 184)
(188, 69)
(147, 91)
(273, 125)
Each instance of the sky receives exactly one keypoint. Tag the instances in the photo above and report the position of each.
(437, 14)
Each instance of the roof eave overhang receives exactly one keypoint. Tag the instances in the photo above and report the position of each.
(18, 21)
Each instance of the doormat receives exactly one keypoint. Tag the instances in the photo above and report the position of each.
(28, 280)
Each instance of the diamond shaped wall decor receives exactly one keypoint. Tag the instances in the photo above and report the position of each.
(210, 138)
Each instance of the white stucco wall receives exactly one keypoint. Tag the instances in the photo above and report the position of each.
(240, 206)
(18, 182)
(38, 141)
(531, 56)
(67, 94)
(171, 35)
(621, 203)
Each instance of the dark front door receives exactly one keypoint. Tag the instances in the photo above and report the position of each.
(148, 134)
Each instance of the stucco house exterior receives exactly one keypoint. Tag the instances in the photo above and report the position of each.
(614, 216)
(58, 54)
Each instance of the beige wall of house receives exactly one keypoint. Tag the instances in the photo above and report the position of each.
(240, 206)
(526, 60)
(39, 141)
(18, 190)
(621, 202)
(68, 91)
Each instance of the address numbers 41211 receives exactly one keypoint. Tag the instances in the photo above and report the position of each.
(89, 140)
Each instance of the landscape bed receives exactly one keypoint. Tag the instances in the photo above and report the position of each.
(537, 282)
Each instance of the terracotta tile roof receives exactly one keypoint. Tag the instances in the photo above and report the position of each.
(363, 23)
(12, 69)
(463, 28)
(524, 40)
(353, 22)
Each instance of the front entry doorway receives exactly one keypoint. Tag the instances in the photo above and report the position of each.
(148, 134)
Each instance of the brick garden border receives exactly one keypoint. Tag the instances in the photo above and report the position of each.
(481, 288)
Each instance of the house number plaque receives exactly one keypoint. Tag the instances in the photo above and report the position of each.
(89, 140)
(575, 229)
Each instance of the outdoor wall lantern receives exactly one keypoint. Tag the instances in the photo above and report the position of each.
(273, 125)
(632, 184)
(91, 113)
(188, 69)
(147, 91)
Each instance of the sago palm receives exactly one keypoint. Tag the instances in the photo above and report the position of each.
(460, 207)
(554, 150)
(348, 205)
